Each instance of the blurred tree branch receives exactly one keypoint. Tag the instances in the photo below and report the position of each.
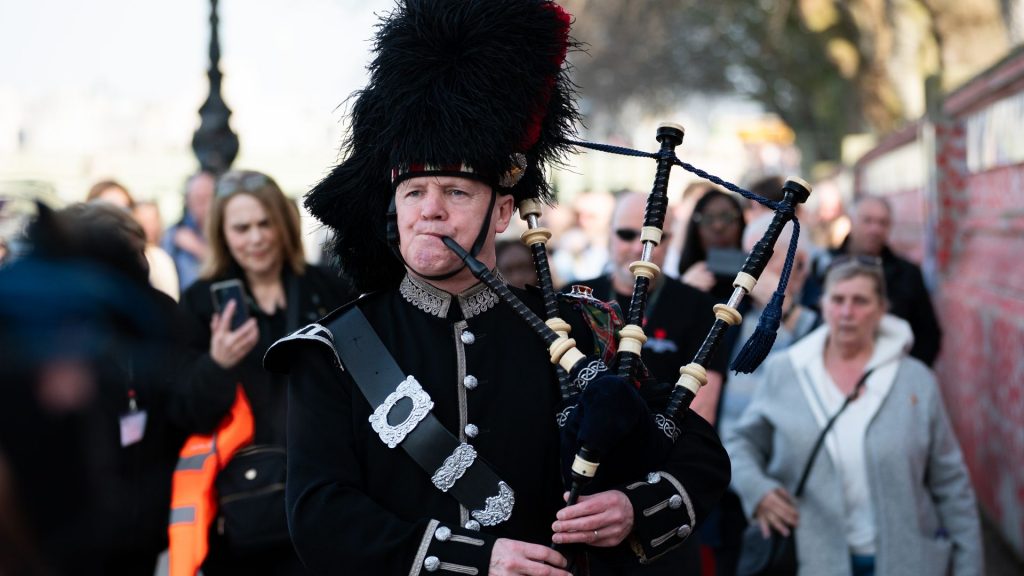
(827, 67)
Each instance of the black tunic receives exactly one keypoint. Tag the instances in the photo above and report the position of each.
(357, 507)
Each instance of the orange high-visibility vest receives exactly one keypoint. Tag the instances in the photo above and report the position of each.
(193, 502)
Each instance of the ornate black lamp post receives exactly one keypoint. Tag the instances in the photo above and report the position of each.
(214, 143)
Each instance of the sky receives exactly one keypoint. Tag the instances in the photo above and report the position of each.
(146, 48)
(111, 88)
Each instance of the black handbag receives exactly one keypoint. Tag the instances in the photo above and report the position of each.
(771, 556)
(250, 498)
(776, 554)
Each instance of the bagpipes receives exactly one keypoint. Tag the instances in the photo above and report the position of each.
(601, 412)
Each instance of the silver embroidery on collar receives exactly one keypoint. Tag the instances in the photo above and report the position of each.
(434, 301)
(477, 300)
(431, 300)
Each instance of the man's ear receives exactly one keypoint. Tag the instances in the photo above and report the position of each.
(504, 207)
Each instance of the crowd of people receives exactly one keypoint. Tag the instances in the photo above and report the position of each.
(719, 221)
(107, 378)
(766, 418)
(208, 392)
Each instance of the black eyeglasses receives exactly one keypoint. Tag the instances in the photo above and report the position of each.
(630, 234)
(725, 219)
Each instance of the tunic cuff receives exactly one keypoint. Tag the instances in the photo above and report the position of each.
(447, 550)
(663, 516)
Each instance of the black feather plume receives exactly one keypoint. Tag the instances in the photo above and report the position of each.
(453, 81)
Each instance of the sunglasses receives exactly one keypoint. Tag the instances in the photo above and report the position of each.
(630, 234)
(249, 182)
(725, 219)
(855, 259)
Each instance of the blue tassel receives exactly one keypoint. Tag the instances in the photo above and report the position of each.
(756, 349)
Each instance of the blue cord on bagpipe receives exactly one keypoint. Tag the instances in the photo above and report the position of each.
(757, 347)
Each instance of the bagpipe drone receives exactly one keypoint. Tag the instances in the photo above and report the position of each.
(599, 412)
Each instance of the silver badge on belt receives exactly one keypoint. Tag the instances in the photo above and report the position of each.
(392, 435)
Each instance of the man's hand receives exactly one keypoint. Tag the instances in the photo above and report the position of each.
(514, 558)
(777, 511)
(705, 404)
(603, 519)
(227, 347)
(189, 241)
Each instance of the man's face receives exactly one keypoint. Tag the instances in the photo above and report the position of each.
(516, 265)
(199, 197)
(870, 230)
(772, 273)
(627, 221)
(431, 207)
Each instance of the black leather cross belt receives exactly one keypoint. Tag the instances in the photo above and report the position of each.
(402, 418)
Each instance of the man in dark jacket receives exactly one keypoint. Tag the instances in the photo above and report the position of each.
(89, 412)
(908, 296)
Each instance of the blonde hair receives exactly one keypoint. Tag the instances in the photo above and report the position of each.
(846, 267)
(282, 213)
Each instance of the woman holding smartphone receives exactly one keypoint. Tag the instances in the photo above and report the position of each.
(714, 232)
(255, 287)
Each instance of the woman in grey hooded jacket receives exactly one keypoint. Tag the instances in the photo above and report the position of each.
(889, 493)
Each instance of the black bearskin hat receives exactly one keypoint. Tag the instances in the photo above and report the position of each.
(479, 84)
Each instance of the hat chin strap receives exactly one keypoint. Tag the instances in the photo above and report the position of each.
(478, 244)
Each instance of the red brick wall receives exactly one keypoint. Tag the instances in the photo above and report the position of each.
(979, 255)
(908, 224)
(981, 370)
(951, 169)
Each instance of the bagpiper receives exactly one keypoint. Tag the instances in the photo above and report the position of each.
(423, 429)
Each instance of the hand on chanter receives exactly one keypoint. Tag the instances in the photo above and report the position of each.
(227, 346)
(514, 558)
(777, 511)
(603, 519)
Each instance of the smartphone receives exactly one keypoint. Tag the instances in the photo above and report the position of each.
(226, 291)
(725, 261)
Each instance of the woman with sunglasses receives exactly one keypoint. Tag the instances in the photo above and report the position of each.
(715, 227)
(254, 237)
(889, 493)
